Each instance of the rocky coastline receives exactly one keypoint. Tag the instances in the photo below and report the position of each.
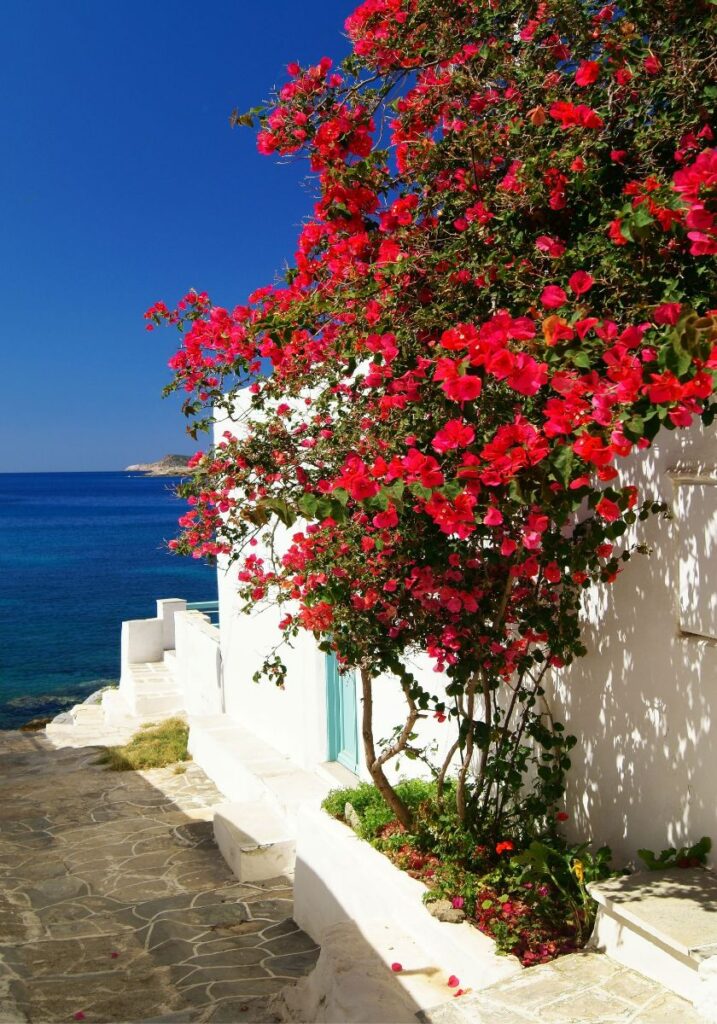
(170, 465)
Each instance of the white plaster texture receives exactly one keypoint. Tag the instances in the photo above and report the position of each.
(643, 702)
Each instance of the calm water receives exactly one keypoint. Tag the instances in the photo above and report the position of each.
(80, 552)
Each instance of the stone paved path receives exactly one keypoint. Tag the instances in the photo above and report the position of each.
(585, 988)
(115, 902)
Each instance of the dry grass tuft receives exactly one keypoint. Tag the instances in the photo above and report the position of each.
(155, 746)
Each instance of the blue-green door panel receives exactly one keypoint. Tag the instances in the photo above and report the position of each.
(342, 717)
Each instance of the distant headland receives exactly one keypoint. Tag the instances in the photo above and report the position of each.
(170, 465)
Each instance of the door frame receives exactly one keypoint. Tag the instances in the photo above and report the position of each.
(334, 717)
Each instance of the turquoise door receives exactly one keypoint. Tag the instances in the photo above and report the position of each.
(341, 715)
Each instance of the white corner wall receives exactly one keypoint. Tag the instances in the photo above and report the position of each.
(198, 663)
(643, 702)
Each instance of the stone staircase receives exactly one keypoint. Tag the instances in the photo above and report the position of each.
(150, 689)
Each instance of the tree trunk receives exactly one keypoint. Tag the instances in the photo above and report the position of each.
(374, 765)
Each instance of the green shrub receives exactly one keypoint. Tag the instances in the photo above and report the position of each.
(370, 806)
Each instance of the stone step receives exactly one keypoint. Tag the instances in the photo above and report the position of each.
(149, 690)
(157, 705)
(662, 924)
(245, 768)
(87, 714)
(254, 840)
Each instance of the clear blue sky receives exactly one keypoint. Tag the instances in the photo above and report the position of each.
(122, 183)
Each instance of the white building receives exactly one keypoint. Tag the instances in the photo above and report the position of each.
(642, 703)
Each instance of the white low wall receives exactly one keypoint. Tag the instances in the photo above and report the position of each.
(167, 610)
(643, 702)
(146, 640)
(341, 878)
(198, 663)
(142, 640)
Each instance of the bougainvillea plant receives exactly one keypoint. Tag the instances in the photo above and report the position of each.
(507, 286)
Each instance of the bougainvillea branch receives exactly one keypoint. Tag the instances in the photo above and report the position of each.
(507, 286)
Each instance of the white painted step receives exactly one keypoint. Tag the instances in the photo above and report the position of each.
(254, 840)
(662, 924)
(115, 709)
(245, 768)
(87, 714)
(149, 690)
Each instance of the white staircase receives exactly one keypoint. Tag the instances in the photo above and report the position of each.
(664, 925)
(150, 690)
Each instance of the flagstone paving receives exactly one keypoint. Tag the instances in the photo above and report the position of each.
(584, 988)
(115, 902)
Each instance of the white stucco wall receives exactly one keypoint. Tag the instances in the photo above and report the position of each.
(198, 664)
(643, 702)
(294, 719)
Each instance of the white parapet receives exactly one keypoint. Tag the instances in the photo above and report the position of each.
(142, 641)
(167, 608)
(197, 663)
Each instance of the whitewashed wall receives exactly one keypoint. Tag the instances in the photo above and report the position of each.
(198, 663)
(294, 719)
(643, 703)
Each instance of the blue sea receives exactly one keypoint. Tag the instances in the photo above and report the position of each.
(80, 552)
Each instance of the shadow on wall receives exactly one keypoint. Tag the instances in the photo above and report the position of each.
(643, 702)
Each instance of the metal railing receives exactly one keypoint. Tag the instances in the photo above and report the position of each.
(210, 608)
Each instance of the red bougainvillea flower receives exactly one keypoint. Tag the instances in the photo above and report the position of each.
(581, 282)
(561, 816)
(609, 510)
(455, 434)
(506, 846)
(550, 246)
(463, 389)
(553, 296)
(587, 73)
(493, 517)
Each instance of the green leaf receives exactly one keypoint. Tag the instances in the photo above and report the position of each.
(564, 462)
(308, 505)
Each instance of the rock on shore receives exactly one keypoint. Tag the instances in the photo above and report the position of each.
(170, 465)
